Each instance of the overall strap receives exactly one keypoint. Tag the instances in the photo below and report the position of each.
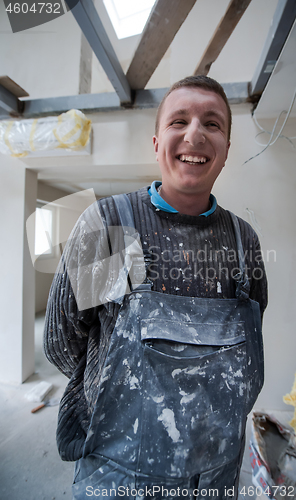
(126, 216)
(242, 280)
(124, 209)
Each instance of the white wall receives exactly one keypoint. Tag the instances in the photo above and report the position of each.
(18, 188)
(43, 60)
(266, 185)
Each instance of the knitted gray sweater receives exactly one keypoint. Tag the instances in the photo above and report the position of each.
(185, 255)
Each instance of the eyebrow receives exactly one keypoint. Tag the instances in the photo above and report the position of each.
(178, 112)
(217, 114)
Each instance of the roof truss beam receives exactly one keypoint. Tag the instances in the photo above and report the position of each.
(164, 22)
(94, 103)
(9, 103)
(233, 14)
(91, 25)
(281, 25)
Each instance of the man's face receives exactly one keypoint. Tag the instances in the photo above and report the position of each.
(192, 143)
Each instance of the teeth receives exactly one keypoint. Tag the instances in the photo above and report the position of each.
(193, 159)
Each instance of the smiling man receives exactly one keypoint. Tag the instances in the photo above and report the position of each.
(191, 145)
(162, 379)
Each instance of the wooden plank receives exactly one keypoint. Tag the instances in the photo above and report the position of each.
(85, 67)
(234, 12)
(164, 22)
(12, 87)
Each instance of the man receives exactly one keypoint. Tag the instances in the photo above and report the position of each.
(162, 379)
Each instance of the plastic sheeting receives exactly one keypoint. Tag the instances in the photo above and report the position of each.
(69, 131)
(290, 399)
(273, 458)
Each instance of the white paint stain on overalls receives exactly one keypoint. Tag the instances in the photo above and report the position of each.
(167, 417)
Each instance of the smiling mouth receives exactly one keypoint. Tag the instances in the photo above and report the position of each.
(193, 160)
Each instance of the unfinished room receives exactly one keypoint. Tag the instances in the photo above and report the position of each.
(148, 298)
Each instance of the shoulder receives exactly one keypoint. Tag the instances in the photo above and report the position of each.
(248, 234)
(102, 212)
(107, 204)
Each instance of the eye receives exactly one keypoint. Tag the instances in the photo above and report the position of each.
(213, 125)
(178, 122)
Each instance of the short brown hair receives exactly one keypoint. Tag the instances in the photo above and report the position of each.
(199, 81)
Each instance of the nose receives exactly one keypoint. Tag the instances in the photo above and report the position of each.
(194, 134)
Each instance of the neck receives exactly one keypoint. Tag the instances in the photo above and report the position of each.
(188, 204)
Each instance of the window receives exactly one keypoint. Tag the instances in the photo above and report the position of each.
(44, 227)
(128, 16)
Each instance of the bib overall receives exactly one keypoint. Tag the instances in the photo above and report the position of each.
(179, 379)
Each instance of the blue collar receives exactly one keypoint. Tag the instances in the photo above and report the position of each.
(159, 202)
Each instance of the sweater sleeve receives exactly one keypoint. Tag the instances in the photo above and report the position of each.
(66, 329)
(255, 265)
(72, 305)
(259, 291)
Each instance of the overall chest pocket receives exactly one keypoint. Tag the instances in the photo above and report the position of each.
(194, 387)
(180, 339)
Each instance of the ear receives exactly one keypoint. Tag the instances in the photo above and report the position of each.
(155, 144)
(227, 150)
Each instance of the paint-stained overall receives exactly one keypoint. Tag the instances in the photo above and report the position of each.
(180, 377)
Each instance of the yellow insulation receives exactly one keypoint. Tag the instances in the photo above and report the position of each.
(69, 130)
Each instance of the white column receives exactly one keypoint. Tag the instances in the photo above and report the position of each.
(18, 191)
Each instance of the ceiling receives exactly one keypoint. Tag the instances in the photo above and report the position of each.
(181, 37)
(280, 89)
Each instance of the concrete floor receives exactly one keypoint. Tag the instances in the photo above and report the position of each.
(31, 468)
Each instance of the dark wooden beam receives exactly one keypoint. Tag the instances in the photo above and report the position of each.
(234, 12)
(164, 22)
(12, 87)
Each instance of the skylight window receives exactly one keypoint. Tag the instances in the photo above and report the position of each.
(128, 16)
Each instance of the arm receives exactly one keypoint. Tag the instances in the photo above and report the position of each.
(259, 290)
(255, 265)
(67, 325)
(66, 328)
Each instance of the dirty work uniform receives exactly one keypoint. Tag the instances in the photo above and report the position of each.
(180, 377)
